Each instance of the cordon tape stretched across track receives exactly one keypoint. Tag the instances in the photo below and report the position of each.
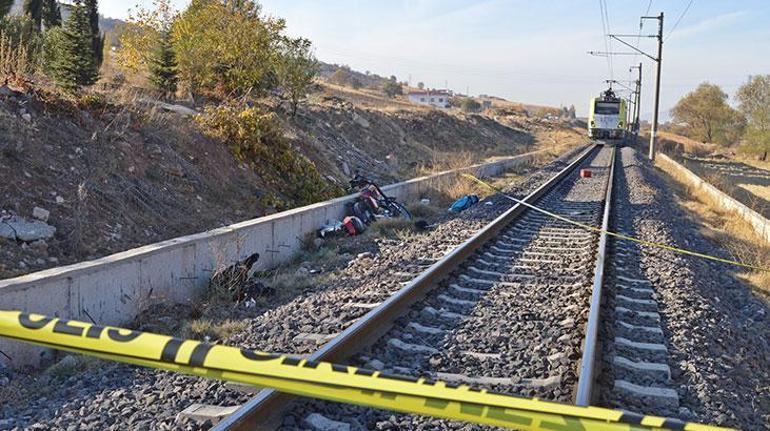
(324, 380)
(615, 234)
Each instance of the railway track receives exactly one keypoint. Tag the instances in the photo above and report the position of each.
(635, 363)
(508, 310)
(514, 309)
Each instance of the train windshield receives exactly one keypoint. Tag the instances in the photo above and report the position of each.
(607, 108)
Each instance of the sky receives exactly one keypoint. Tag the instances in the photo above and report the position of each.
(530, 51)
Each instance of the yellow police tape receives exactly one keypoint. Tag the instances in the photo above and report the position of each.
(615, 234)
(324, 380)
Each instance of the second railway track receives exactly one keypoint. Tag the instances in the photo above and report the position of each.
(505, 311)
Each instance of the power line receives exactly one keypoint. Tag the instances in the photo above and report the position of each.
(641, 27)
(609, 28)
(605, 33)
(679, 19)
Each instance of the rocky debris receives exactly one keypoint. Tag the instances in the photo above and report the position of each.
(17, 228)
(361, 121)
(204, 414)
(67, 362)
(41, 214)
(179, 109)
(318, 422)
(175, 170)
(365, 255)
(375, 364)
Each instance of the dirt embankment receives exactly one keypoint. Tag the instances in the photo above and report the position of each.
(342, 139)
(120, 174)
(743, 177)
(112, 177)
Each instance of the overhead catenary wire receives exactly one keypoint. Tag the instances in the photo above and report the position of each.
(605, 35)
(609, 39)
(641, 28)
(678, 20)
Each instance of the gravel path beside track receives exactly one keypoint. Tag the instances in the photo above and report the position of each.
(715, 330)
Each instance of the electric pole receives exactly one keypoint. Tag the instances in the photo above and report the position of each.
(637, 101)
(659, 60)
(631, 100)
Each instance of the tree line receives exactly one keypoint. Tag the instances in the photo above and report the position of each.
(214, 48)
(70, 52)
(705, 115)
(217, 48)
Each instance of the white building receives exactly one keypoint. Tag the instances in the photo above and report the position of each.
(438, 98)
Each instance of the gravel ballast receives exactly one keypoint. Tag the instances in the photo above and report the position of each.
(716, 331)
(108, 396)
(511, 321)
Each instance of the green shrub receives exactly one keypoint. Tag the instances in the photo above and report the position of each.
(469, 104)
(392, 88)
(256, 137)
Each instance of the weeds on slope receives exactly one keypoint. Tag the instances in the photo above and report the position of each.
(726, 228)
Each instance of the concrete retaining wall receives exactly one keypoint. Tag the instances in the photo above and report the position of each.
(761, 225)
(114, 289)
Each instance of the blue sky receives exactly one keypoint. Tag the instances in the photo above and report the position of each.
(528, 51)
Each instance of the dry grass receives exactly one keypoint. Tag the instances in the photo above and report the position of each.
(205, 328)
(442, 193)
(391, 227)
(762, 192)
(71, 365)
(15, 65)
(371, 98)
(726, 228)
(752, 161)
(441, 162)
(327, 253)
(676, 144)
(420, 210)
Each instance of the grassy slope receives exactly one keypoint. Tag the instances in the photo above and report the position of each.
(130, 175)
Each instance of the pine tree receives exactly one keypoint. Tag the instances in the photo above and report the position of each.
(5, 7)
(97, 41)
(51, 14)
(74, 65)
(34, 9)
(163, 66)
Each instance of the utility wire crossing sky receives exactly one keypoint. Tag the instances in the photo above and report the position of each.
(533, 52)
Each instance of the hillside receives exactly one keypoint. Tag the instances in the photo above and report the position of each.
(116, 172)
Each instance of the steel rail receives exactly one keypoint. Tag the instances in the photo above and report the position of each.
(265, 410)
(586, 377)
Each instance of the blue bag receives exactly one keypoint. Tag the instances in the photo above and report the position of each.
(464, 203)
